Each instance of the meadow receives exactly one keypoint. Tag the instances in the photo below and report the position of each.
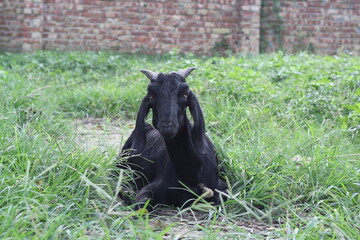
(286, 128)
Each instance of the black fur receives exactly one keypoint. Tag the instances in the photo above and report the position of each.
(173, 156)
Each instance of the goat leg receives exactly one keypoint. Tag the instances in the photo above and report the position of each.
(145, 198)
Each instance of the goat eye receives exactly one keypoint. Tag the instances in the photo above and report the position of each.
(185, 95)
(150, 96)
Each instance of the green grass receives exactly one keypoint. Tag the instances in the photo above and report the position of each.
(286, 128)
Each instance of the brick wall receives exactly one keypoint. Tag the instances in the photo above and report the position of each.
(154, 26)
(324, 26)
(11, 17)
(21, 24)
(249, 25)
(199, 26)
(150, 26)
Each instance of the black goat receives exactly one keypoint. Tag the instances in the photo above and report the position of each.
(175, 160)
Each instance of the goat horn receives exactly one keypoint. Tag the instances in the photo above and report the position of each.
(185, 72)
(151, 75)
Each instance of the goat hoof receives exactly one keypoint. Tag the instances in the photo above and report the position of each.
(207, 192)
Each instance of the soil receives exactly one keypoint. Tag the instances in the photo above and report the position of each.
(100, 133)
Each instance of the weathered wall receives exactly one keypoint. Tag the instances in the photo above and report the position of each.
(21, 24)
(249, 25)
(150, 26)
(199, 26)
(11, 17)
(324, 26)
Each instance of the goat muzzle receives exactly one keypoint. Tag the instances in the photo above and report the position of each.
(168, 129)
(167, 124)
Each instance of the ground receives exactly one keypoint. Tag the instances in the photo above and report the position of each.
(102, 134)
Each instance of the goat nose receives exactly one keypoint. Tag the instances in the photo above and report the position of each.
(167, 123)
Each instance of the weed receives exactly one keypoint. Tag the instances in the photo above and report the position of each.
(286, 128)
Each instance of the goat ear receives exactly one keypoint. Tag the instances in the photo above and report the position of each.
(151, 75)
(198, 131)
(139, 133)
